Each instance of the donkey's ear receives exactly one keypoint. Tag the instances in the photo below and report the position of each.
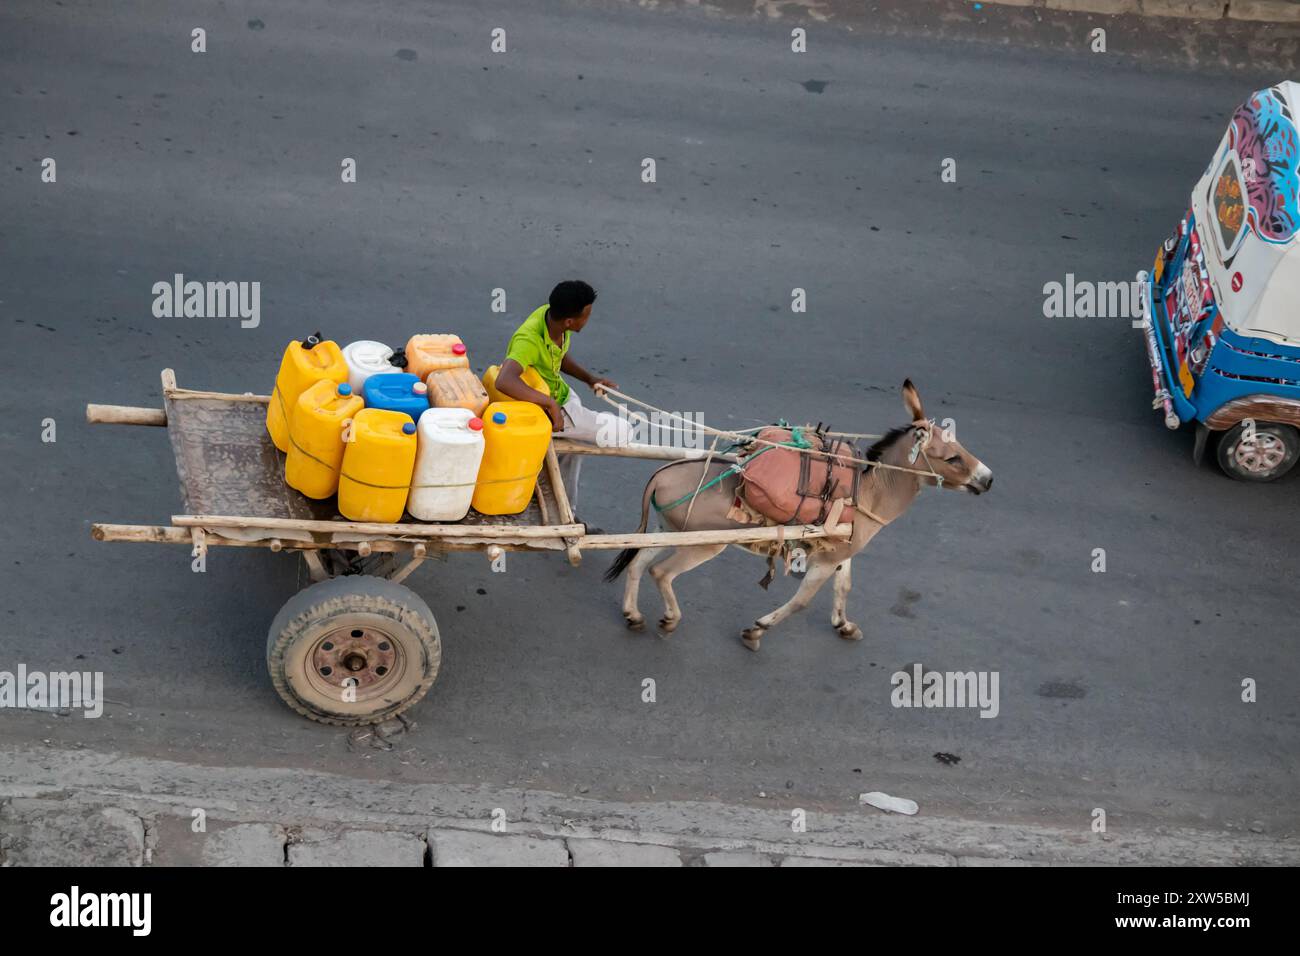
(912, 401)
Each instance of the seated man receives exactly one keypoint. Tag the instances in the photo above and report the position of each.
(542, 343)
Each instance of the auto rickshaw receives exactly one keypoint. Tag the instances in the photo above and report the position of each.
(1222, 302)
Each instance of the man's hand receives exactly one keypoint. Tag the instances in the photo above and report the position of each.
(554, 412)
(598, 385)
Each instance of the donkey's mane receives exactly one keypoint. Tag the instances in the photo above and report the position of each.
(891, 436)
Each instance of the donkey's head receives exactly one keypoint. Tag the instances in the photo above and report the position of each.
(936, 450)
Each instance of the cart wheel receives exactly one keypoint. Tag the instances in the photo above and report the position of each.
(353, 650)
(1270, 456)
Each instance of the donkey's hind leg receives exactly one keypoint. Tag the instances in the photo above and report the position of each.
(839, 614)
(631, 590)
(682, 559)
(819, 570)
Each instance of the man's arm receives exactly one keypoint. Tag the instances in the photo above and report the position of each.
(511, 383)
(569, 367)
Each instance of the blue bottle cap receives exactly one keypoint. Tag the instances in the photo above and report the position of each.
(499, 417)
(408, 428)
(345, 388)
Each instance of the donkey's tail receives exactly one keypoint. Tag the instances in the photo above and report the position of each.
(625, 556)
(620, 563)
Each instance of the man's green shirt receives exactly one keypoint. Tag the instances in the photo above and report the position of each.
(531, 346)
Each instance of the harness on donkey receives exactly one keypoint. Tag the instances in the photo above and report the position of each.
(811, 479)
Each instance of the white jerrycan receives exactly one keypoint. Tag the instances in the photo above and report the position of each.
(446, 464)
(364, 359)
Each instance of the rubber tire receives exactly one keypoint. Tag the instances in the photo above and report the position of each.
(1288, 435)
(318, 608)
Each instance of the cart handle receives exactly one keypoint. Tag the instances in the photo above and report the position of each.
(125, 415)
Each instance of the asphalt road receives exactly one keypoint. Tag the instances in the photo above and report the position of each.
(775, 170)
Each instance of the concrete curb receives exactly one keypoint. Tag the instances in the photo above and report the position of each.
(81, 808)
(1244, 11)
(1262, 36)
(1258, 11)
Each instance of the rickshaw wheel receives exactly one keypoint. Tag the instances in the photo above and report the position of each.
(353, 650)
(1270, 456)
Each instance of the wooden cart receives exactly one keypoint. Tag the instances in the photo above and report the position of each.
(356, 646)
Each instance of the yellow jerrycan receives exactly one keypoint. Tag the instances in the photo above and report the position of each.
(516, 436)
(316, 437)
(530, 378)
(378, 459)
(304, 364)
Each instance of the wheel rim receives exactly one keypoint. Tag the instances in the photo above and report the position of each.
(1261, 456)
(361, 656)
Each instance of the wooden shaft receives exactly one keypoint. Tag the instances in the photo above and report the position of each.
(404, 572)
(315, 566)
(160, 534)
(670, 539)
(557, 485)
(125, 415)
(542, 507)
(483, 532)
(140, 532)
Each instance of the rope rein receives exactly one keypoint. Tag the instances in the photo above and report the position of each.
(742, 437)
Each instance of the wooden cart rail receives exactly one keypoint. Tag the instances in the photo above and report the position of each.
(182, 534)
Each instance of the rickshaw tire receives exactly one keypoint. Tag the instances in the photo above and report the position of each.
(1227, 443)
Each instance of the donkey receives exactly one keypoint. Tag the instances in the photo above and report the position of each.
(883, 495)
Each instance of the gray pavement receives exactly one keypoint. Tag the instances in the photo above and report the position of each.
(776, 170)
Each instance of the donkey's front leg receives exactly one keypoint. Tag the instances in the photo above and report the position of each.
(839, 613)
(819, 570)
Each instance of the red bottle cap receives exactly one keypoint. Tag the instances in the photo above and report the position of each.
(476, 424)
(458, 349)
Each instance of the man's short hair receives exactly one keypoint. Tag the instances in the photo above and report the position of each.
(569, 298)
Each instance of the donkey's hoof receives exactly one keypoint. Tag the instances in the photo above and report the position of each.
(669, 624)
(849, 631)
(635, 622)
(751, 636)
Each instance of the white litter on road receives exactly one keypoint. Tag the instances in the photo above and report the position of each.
(883, 801)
